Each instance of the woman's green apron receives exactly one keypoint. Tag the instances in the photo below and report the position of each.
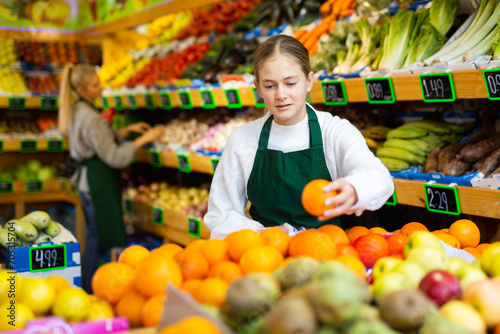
(277, 179)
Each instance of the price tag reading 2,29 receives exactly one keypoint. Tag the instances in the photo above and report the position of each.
(492, 82)
(437, 87)
(207, 98)
(334, 93)
(45, 258)
(442, 199)
(380, 90)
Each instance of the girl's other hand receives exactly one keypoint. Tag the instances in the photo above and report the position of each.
(139, 127)
(344, 200)
(149, 136)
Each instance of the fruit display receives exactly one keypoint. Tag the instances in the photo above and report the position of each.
(61, 54)
(33, 53)
(31, 169)
(12, 82)
(42, 84)
(18, 127)
(92, 53)
(8, 54)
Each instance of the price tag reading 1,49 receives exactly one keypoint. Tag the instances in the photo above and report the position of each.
(194, 227)
(334, 93)
(233, 98)
(150, 102)
(437, 87)
(185, 98)
(47, 257)
(17, 103)
(207, 97)
(158, 215)
(184, 163)
(492, 82)
(380, 90)
(442, 199)
(166, 101)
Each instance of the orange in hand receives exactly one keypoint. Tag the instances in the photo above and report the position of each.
(313, 197)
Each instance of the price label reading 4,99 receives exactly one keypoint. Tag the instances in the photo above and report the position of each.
(437, 87)
(334, 93)
(380, 90)
(442, 199)
(207, 97)
(47, 257)
(492, 82)
(185, 98)
(233, 98)
(158, 215)
(194, 227)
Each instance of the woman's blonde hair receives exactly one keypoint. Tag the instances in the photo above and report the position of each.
(73, 77)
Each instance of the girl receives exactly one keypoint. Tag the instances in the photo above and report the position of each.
(97, 149)
(270, 160)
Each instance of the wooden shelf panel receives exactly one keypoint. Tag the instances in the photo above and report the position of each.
(199, 163)
(14, 145)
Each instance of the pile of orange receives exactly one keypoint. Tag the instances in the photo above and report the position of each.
(192, 324)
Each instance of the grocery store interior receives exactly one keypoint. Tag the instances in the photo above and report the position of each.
(108, 235)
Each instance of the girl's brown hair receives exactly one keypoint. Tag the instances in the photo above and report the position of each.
(73, 77)
(282, 45)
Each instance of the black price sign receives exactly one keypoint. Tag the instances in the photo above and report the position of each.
(104, 102)
(118, 102)
(28, 146)
(207, 97)
(392, 201)
(259, 101)
(158, 215)
(6, 187)
(17, 103)
(132, 103)
(166, 101)
(437, 87)
(55, 145)
(233, 98)
(48, 103)
(128, 206)
(185, 98)
(150, 101)
(184, 163)
(194, 227)
(45, 258)
(34, 185)
(1, 146)
(334, 93)
(215, 163)
(155, 157)
(442, 199)
(380, 90)
(492, 82)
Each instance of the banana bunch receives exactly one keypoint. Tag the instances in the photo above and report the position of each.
(410, 144)
(375, 136)
(35, 227)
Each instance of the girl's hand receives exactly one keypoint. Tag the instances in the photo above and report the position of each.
(149, 136)
(344, 200)
(139, 127)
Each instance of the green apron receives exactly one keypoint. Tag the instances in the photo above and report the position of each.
(277, 179)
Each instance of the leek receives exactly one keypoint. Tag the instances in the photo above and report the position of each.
(398, 39)
(442, 14)
(496, 47)
(428, 42)
(480, 49)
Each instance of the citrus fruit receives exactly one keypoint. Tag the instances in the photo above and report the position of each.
(472, 251)
(276, 237)
(412, 227)
(214, 250)
(197, 324)
(314, 244)
(356, 231)
(130, 306)
(313, 197)
(371, 247)
(154, 273)
(264, 259)
(99, 310)
(397, 242)
(227, 270)
(448, 239)
(152, 310)
(14, 316)
(377, 230)
(169, 250)
(191, 285)
(194, 265)
(335, 232)
(72, 304)
(347, 249)
(171, 329)
(59, 283)
(38, 295)
(353, 263)
(133, 255)
(482, 247)
(212, 291)
(466, 231)
(238, 242)
(195, 245)
(112, 280)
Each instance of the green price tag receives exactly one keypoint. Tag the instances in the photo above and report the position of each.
(392, 201)
(34, 185)
(259, 101)
(55, 145)
(233, 98)
(48, 103)
(132, 103)
(104, 102)
(64, 184)
(185, 98)
(194, 227)
(17, 103)
(442, 199)
(128, 206)
(437, 87)
(6, 187)
(44, 258)
(492, 82)
(184, 163)
(28, 146)
(158, 215)
(166, 101)
(334, 93)
(150, 101)
(118, 102)
(380, 90)
(155, 158)
(207, 98)
(215, 163)
(1, 146)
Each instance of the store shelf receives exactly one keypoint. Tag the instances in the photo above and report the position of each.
(198, 163)
(16, 145)
(174, 227)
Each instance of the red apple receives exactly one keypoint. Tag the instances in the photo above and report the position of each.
(371, 247)
(440, 286)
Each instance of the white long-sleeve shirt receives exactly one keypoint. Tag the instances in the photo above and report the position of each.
(346, 153)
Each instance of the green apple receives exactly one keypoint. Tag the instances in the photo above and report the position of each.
(383, 266)
(484, 296)
(455, 264)
(495, 266)
(464, 315)
(488, 255)
(429, 258)
(468, 274)
(388, 283)
(422, 238)
(412, 272)
(477, 264)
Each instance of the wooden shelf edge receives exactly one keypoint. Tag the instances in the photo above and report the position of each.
(14, 145)
(199, 163)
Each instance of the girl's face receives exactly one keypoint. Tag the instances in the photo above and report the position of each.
(92, 90)
(284, 88)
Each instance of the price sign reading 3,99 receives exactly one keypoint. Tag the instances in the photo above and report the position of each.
(334, 93)
(380, 90)
(437, 87)
(492, 82)
(442, 199)
(47, 257)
